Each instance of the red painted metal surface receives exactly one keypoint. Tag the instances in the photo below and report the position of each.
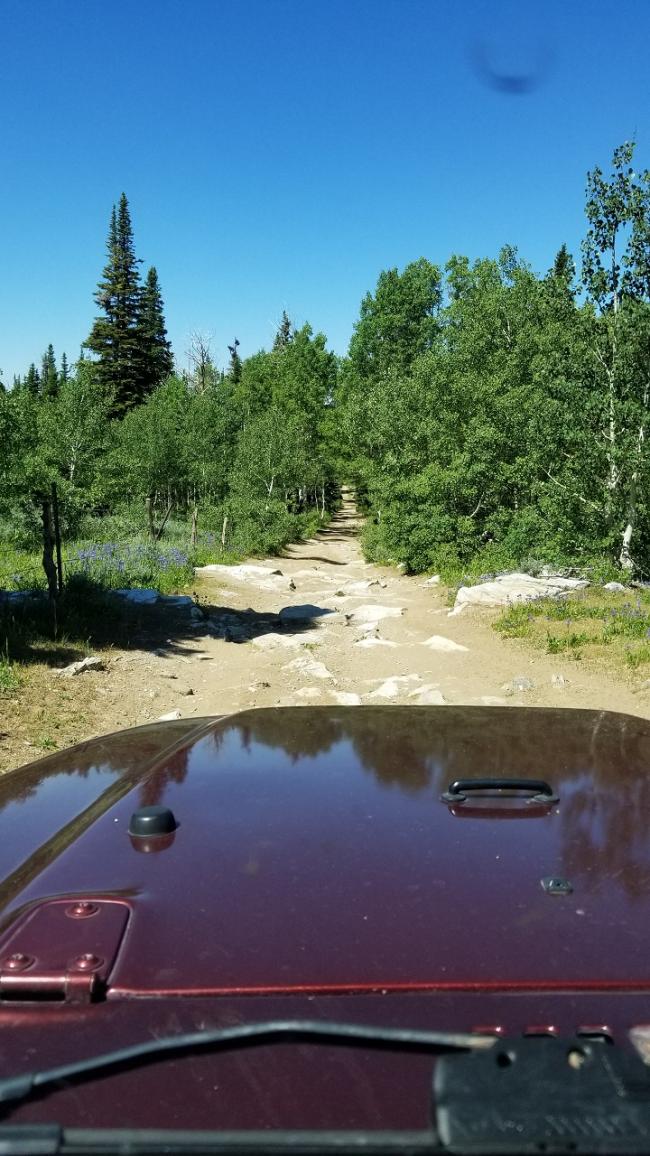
(59, 950)
(316, 872)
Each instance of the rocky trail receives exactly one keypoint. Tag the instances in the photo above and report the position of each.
(319, 626)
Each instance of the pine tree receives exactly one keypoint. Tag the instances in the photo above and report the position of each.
(564, 266)
(284, 334)
(33, 381)
(156, 349)
(65, 371)
(49, 375)
(234, 369)
(115, 336)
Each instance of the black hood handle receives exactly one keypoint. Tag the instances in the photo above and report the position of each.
(539, 790)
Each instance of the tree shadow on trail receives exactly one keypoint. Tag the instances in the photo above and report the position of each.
(102, 620)
(314, 558)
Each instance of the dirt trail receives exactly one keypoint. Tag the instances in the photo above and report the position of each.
(389, 662)
(243, 655)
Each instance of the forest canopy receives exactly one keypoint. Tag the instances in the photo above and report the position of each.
(488, 416)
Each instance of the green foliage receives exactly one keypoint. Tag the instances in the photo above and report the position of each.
(112, 566)
(129, 338)
(10, 678)
(490, 419)
(592, 623)
(510, 424)
(398, 323)
(158, 362)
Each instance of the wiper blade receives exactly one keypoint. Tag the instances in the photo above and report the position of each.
(22, 1087)
(51, 1140)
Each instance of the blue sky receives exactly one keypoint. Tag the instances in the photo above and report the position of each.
(277, 154)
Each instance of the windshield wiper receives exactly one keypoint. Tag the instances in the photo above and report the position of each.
(29, 1084)
(51, 1140)
(505, 1097)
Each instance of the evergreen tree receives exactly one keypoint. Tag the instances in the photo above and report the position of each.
(65, 370)
(564, 266)
(33, 381)
(156, 349)
(49, 375)
(284, 334)
(234, 369)
(115, 337)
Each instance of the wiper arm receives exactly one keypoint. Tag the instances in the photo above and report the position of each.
(18, 1088)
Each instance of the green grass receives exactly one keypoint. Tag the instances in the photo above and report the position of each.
(87, 615)
(115, 558)
(10, 679)
(596, 623)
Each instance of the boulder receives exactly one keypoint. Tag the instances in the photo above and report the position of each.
(373, 612)
(446, 645)
(509, 588)
(140, 595)
(82, 665)
(310, 667)
(304, 613)
(273, 640)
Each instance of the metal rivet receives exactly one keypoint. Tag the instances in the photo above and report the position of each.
(86, 962)
(18, 961)
(82, 910)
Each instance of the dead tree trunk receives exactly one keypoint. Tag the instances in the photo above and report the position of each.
(57, 537)
(150, 521)
(48, 556)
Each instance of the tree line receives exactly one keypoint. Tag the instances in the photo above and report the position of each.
(488, 416)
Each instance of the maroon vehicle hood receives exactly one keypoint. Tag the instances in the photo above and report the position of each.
(314, 854)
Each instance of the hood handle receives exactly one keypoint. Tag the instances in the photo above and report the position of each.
(539, 790)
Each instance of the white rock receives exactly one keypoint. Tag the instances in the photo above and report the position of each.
(393, 686)
(374, 613)
(368, 642)
(428, 697)
(433, 581)
(228, 627)
(140, 595)
(309, 666)
(365, 627)
(493, 700)
(308, 692)
(304, 613)
(313, 572)
(173, 714)
(614, 586)
(508, 588)
(359, 587)
(273, 641)
(558, 680)
(388, 689)
(180, 600)
(437, 642)
(346, 698)
(262, 577)
(81, 666)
